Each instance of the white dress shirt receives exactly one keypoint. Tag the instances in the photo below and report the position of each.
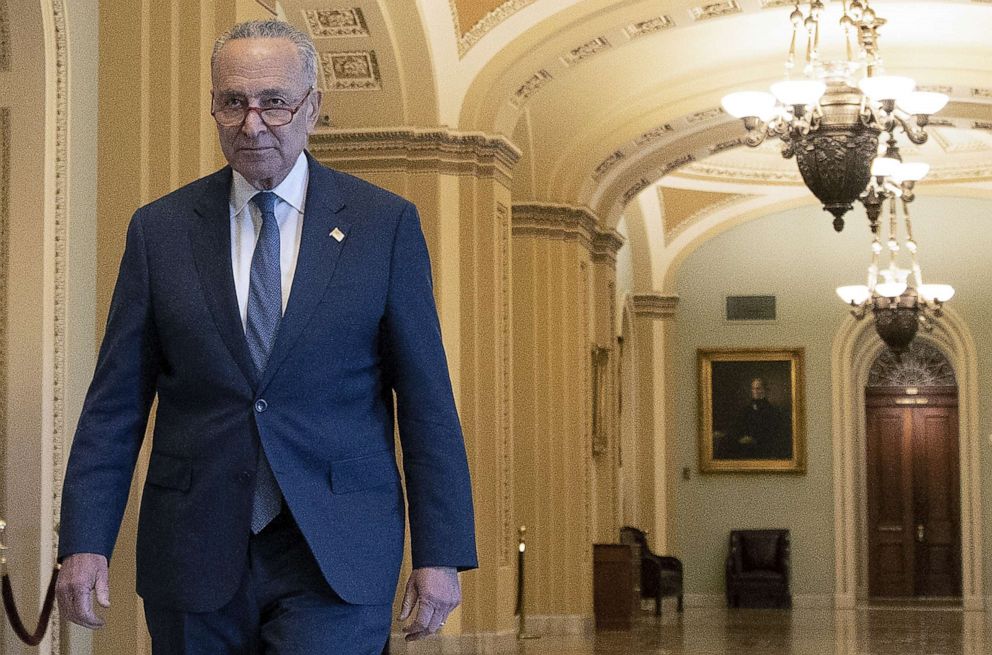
(246, 222)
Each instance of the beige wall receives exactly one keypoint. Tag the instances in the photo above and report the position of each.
(809, 260)
(566, 493)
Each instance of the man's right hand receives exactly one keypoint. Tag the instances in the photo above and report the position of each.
(82, 575)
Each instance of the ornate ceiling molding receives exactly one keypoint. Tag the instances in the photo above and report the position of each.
(654, 304)
(352, 70)
(412, 149)
(567, 223)
(673, 232)
(486, 25)
(324, 23)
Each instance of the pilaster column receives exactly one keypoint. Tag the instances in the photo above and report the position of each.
(564, 272)
(460, 183)
(653, 324)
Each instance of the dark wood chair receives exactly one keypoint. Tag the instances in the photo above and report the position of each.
(758, 569)
(661, 575)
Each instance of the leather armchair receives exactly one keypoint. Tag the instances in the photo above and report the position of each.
(661, 575)
(758, 569)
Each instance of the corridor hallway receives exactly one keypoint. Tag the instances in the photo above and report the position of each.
(713, 631)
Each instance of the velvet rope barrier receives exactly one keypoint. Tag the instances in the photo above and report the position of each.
(10, 606)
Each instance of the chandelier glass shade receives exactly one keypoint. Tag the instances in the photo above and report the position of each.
(900, 302)
(832, 115)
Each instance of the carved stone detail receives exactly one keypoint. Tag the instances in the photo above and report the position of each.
(726, 145)
(336, 22)
(604, 166)
(585, 51)
(654, 305)
(716, 9)
(705, 115)
(923, 365)
(504, 223)
(535, 83)
(59, 248)
(567, 223)
(486, 25)
(677, 163)
(649, 26)
(654, 134)
(356, 70)
(672, 232)
(413, 149)
(587, 445)
(633, 190)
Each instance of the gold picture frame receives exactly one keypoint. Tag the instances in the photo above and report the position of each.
(752, 415)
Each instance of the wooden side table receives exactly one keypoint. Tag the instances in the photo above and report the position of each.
(616, 585)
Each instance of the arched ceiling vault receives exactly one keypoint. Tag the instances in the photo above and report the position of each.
(617, 101)
(616, 95)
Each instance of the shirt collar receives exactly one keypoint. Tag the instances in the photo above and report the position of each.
(292, 190)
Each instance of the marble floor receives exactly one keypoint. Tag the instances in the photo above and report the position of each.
(874, 631)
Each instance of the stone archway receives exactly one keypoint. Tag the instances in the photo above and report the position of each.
(855, 349)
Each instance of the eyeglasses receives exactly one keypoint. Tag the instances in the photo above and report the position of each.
(271, 116)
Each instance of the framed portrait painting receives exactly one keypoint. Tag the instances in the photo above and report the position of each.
(751, 411)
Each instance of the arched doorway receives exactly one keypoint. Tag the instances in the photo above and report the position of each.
(913, 475)
(856, 345)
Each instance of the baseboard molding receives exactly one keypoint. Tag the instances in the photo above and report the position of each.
(799, 601)
(560, 624)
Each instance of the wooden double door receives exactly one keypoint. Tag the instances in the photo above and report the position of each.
(914, 500)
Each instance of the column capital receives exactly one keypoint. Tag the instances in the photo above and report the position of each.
(412, 149)
(567, 223)
(654, 304)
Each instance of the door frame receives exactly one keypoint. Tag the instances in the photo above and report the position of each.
(888, 398)
(855, 347)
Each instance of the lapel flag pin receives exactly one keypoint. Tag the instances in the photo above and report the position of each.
(337, 234)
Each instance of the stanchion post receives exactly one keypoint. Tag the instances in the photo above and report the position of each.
(3, 547)
(521, 593)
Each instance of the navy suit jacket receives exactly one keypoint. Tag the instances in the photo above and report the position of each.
(360, 324)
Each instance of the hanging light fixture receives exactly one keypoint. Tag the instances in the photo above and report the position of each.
(831, 116)
(900, 302)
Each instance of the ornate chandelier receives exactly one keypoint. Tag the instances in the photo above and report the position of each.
(900, 303)
(832, 116)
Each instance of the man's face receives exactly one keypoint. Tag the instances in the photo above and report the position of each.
(757, 389)
(267, 73)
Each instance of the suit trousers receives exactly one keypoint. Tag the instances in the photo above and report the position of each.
(283, 606)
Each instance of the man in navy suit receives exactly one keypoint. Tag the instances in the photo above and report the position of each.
(276, 308)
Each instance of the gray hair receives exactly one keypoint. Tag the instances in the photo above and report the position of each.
(274, 29)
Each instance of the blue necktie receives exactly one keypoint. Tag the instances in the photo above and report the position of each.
(264, 314)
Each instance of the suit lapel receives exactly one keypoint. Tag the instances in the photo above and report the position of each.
(211, 243)
(319, 252)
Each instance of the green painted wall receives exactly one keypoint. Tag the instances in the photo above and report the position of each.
(797, 256)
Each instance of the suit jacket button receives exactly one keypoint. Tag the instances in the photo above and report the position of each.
(261, 405)
(246, 476)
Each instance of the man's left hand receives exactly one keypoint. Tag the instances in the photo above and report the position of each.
(435, 592)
